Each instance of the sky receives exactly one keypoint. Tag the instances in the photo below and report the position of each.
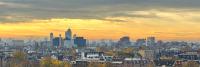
(101, 19)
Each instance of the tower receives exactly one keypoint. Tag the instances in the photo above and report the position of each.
(74, 36)
(60, 40)
(68, 39)
(68, 34)
(51, 38)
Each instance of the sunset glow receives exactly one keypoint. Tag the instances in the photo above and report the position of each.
(163, 22)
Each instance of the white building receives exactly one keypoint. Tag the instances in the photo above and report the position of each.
(92, 56)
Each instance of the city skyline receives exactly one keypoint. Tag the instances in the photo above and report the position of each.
(166, 20)
(99, 33)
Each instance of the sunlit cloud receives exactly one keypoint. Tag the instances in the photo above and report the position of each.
(165, 19)
(167, 25)
(12, 5)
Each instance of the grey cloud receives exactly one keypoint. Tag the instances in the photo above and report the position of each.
(13, 5)
(122, 14)
(88, 9)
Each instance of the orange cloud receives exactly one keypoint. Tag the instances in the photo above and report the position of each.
(167, 25)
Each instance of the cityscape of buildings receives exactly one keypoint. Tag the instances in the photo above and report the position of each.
(72, 50)
(99, 33)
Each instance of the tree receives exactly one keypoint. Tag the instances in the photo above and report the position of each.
(191, 64)
(19, 59)
(49, 62)
(97, 64)
(19, 56)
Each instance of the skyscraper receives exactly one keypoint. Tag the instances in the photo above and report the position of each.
(80, 41)
(60, 40)
(68, 39)
(68, 34)
(51, 38)
(56, 42)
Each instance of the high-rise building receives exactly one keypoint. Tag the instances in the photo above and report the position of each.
(51, 38)
(80, 41)
(68, 42)
(68, 34)
(56, 42)
(74, 36)
(140, 42)
(150, 41)
(60, 40)
(124, 41)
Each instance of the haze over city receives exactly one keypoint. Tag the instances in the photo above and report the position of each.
(110, 19)
(99, 33)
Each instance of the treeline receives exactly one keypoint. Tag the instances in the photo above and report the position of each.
(19, 59)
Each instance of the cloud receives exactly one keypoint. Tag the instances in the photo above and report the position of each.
(97, 9)
(12, 5)
(15, 18)
(137, 18)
